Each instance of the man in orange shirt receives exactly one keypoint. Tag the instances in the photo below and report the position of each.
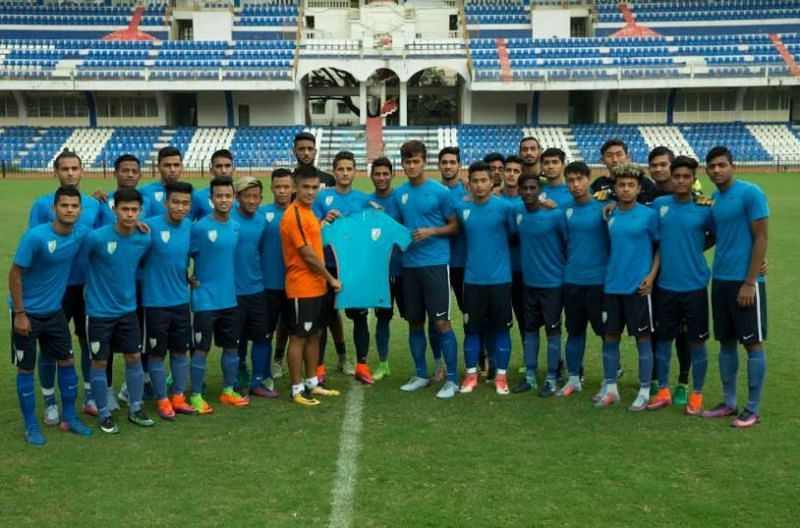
(306, 285)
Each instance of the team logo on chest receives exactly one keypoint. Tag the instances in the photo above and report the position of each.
(569, 213)
(465, 214)
(270, 216)
(165, 236)
(111, 247)
(376, 233)
(212, 235)
(611, 222)
(663, 210)
(404, 198)
(328, 200)
(159, 196)
(51, 246)
(111, 203)
(519, 218)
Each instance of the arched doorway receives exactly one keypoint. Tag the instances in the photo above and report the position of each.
(434, 97)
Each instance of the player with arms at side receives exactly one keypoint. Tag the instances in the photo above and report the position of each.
(170, 167)
(221, 165)
(553, 160)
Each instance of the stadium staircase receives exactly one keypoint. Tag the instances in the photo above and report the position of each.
(336, 139)
(777, 140)
(505, 63)
(785, 54)
(667, 136)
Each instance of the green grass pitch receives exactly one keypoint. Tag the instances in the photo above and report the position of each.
(478, 460)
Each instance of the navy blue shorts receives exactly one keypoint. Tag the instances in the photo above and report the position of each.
(222, 325)
(396, 292)
(426, 290)
(457, 285)
(583, 305)
(120, 334)
(633, 310)
(487, 306)
(681, 312)
(303, 317)
(52, 333)
(732, 322)
(168, 328)
(74, 308)
(252, 317)
(543, 307)
(274, 306)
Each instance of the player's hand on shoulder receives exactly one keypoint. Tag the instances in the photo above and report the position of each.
(143, 228)
(608, 210)
(549, 204)
(100, 195)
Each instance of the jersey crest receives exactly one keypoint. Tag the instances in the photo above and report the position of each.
(165, 236)
(159, 196)
(111, 203)
(376, 233)
(569, 213)
(611, 221)
(111, 247)
(519, 218)
(212, 235)
(51, 246)
(328, 200)
(663, 210)
(270, 216)
(465, 214)
(404, 198)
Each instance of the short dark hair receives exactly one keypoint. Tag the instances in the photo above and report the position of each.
(513, 158)
(344, 155)
(126, 157)
(528, 176)
(478, 166)
(413, 148)
(628, 170)
(222, 153)
(719, 150)
(455, 151)
(168, 152)
(613, 142)
(529, 138)
(381, 162)
(181, 187)
(684, 161)
(280, 173)
(127, 195)
(578, 167)
(554, 152)
(305, 136)
(221, 181)
(305, 172)
(494, 156)
(64, 154)
(66, 190)
(660, 151)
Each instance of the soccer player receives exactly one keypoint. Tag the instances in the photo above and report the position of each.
(307, 283)
(170, 166)
(127, 173)
(250, 285)
(427, 210)
(329, 204)
(555, 189)
(113, 253)
(213, 298)
(542, 234)
(529, 150)
(68, 169)
(631, 271)
(487, 222)
(738, 291)
(305, 152)
(37, 281)
(585, 271)
(497, 164)
(221, 165)
(165, 299)
(614, 153)
(510, 192)
(273, 270)
(381, 176)
(681, 287)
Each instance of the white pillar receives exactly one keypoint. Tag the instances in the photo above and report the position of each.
(466, 103)
(21, 107)
(382, 101)
(602, 107)
(362, 102)
(739, 108)
(299, 104)
(403, 102)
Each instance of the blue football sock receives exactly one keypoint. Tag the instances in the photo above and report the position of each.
(610, 360)
(260, 351)
(416, 342)
(645, 347)
(501, 351)
(663, 357)
(450, 354)
(382, 334)
(530, 346)
(756, 373)
(158, 377)
(268, 363)
(229, 362)
(68, 385)
(100, 391)
(575, 346)
(26, 391)
(728, 367)
(472, 344)
(435, 340)
(699, 366)
(179, 367)
(553, 355)
(198, 368)
(134, 379)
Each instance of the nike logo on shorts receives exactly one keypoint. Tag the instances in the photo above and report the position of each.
(748, 337)
(441, 314)
(643, 328)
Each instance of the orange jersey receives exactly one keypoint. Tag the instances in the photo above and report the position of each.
(299, 227)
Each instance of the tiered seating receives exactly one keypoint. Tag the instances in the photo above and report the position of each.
(77, 15)
(264, 146)
(282, 15)
(702, 137)
(44, 150)
(88, 142)
(591, 137)
(205, 142)
(138, 141)
(476, 141)
(182, 137)
(496, 12)
(777, 140)
(700, 10)
(667, 136)
(269, 59)
(13, 141)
